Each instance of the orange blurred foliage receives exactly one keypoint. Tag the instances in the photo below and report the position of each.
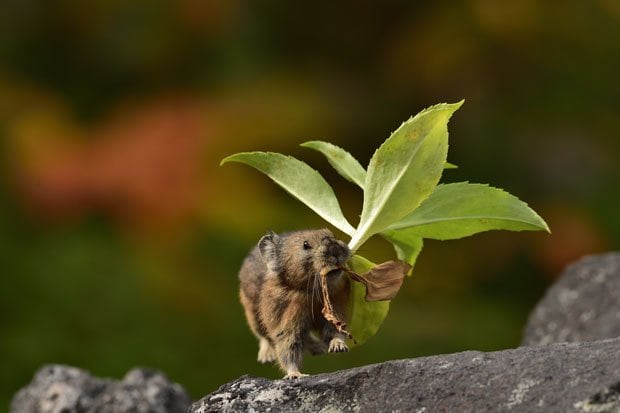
(142, 165)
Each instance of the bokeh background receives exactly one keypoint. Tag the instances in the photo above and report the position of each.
(121, 236)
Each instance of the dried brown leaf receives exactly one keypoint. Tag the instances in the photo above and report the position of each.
(383, 281)
(328, 309)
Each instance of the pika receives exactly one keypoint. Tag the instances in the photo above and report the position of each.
(281, 296)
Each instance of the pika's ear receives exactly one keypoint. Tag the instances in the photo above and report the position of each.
(268, 247)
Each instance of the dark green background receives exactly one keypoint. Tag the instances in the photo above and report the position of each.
(120, 236)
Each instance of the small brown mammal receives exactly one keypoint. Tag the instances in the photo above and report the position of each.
(282, 300)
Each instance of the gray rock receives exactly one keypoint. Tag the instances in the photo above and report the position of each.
(565, 377)
(63, 389)
(583, 305)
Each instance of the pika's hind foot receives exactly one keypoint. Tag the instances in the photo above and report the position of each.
(266, 353)
(337, 345)
(292, 375)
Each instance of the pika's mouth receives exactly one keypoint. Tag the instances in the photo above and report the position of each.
(331, 271)
(336, 254)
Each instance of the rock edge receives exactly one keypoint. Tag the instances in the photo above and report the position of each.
(565, 377)
(65, 389)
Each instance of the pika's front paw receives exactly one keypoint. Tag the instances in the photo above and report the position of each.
(337, 345)
(294, 375)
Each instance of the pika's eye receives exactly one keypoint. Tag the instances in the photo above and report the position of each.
(306, 245)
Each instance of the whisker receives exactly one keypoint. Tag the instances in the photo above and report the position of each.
(312, 299)
(314, 289)
(310, 295)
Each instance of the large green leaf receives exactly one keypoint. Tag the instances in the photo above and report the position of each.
(407, 245)
(461, 209)
(342, 161)
(365, 317)
(301, 181)
(404, 170)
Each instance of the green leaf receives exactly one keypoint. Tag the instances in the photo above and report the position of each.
(365, 316)
(301, 181)
(404, 171)
(461, 209)
(343, 162)
(407, 245)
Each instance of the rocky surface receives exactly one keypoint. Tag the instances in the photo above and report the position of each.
(565, 377)
(583, 304)
(63, 389)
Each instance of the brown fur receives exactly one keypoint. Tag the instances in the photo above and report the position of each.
(281, 295)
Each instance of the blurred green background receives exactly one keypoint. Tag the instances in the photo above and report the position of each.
(121, 237)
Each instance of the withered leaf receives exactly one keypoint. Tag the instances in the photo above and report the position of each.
(328, 310)
(383, 281)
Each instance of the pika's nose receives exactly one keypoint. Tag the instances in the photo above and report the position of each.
(338, 251)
